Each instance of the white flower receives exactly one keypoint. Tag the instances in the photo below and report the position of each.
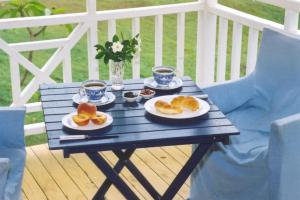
(117, 47)
(47, 12)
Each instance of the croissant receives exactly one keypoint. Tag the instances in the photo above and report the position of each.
(188, 102)
(166, 108)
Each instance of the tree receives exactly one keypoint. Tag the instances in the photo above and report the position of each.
(29, 8)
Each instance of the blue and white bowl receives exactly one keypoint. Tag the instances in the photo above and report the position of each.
(94, 90)
(163, 75)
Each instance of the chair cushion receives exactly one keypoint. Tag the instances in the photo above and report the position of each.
(12, 146)
(4, 168)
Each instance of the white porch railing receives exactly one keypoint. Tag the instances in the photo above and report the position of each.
(208, 13)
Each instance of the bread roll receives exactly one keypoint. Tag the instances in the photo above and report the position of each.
(166, 108)
(188, 102)
(191, 103)
(99, 119)
(87, 109)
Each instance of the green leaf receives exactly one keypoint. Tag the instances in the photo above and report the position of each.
(115, 38)
(106, 59)
(108, 44)
(126, 42)
(100, 55)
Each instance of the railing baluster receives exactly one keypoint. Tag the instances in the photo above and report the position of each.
(252, 50)
(136, 60)
(92, 39)
(112, 29)
(236, 50)
(15, 80)
(222, 49)
(180, 43)
(206, 45)
(67, 68)
(158, 39)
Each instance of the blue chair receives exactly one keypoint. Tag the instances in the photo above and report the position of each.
(12, 152)
(263, 162)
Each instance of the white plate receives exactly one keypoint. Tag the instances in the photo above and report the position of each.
(106, 99)
(186, 114)
(68, 122)
(175, 84)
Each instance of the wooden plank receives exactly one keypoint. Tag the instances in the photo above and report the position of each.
(79, 177)
(75, 88)
(166, 159)
(161, 170)
(236, 50)
(150, 139)
(127, 176)
(66, 184)
(42, 177)
(24, 197)
(186, 149)
(77, 84)
(140, 121)
(140, 128)
(31, 188)
(176, 154)
(95, 175)
(57, 118)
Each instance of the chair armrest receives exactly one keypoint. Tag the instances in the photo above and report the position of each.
(284, 159)
(4, 168)
(232, 94)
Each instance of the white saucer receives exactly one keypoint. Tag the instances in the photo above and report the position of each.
(174, 84)
(186, 114)
(106, 99)
(68, 122)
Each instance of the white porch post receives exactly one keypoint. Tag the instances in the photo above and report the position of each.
(206, 44)
(92, 39)
(291, 20)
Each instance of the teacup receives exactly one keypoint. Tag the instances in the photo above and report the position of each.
(94, 90)
(163, 75)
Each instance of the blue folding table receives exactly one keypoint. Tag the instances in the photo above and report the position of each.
(133, 128)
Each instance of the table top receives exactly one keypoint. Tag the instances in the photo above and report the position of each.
(134, 127)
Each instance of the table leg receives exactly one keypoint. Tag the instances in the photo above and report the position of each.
(185, 172)
(139, 176)
(117, 168)
(112, 175)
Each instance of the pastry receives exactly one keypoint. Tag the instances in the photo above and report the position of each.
(99, 119)
(188, 102)
(87, 109)
(81, 120)
(166, 108)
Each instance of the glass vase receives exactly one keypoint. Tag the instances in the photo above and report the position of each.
(117, 74)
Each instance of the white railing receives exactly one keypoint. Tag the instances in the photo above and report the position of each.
(209, 11)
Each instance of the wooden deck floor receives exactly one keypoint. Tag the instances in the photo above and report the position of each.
(49, 176)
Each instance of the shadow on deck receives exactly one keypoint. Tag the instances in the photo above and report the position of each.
(49, 176)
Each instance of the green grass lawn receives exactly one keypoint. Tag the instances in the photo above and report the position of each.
(79, 52)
